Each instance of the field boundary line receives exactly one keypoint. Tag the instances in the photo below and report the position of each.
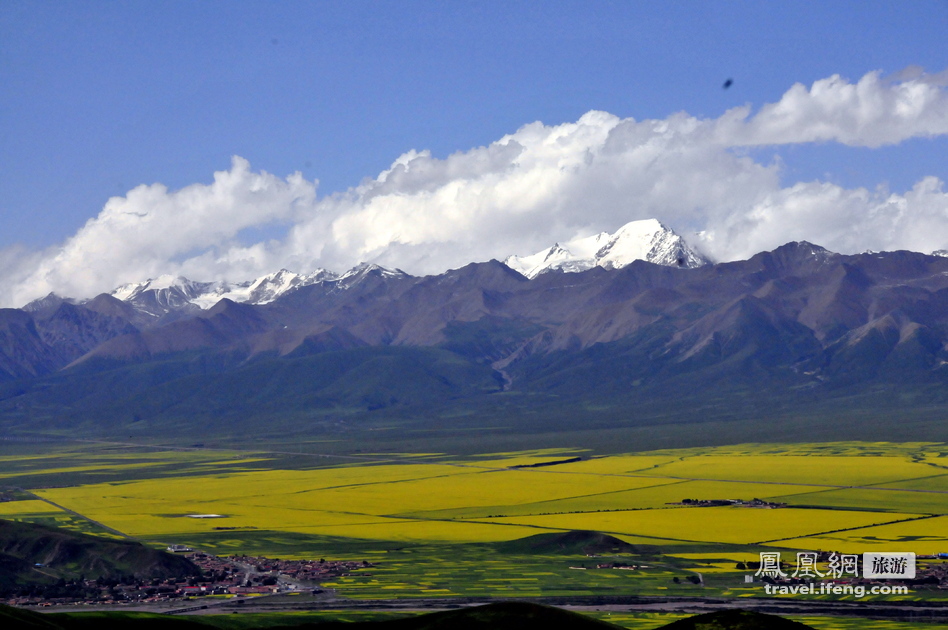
(82, 516)
(851, 529)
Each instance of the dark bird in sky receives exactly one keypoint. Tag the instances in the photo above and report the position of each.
(728, 83)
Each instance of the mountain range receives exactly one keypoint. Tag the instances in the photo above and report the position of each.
(160, 300)
(798, 333)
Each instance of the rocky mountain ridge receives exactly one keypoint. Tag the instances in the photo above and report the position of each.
(799, 323)
(167, 297)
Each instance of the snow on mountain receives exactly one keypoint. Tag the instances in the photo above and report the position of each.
(360, 271)
(167, 289)
(164, 294)
(647, 240)
(639, 240)
(262, 290)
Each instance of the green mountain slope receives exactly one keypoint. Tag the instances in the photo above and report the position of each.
(31, 553)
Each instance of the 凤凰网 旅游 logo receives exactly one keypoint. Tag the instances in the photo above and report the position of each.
(831, 573)
(888, 566)
(899, 565)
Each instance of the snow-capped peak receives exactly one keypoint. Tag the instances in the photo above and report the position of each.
(164, 294)
(647, 240)
(363, 269)
(262, 290)
(166, 285)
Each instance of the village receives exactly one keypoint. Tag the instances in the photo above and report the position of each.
(232, 576)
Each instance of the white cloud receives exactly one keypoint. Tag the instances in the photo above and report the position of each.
(870, 113)
(528, 189)
(152, 231)
(842, 220)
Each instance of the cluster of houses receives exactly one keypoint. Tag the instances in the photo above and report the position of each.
(934, 573)
(220, 576)
(284, 571)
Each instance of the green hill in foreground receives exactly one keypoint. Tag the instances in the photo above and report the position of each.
(501, 616)
(31, 553)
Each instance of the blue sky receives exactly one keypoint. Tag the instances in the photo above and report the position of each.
(99, 98)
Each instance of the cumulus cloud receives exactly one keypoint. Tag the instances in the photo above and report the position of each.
(526, 190)
(869, 113)
(842, 220)
(152, 231)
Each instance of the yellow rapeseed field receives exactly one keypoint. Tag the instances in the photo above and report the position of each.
(617, 464)
(933, 482)
(881, 498)
(926, 536)
(484, 499)
(312, 500)
(494, 488)
(13, 509)
(652, 493)
(718, 524)
(796, 469)
(429, 531)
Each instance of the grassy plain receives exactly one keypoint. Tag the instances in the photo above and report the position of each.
(430, 522)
